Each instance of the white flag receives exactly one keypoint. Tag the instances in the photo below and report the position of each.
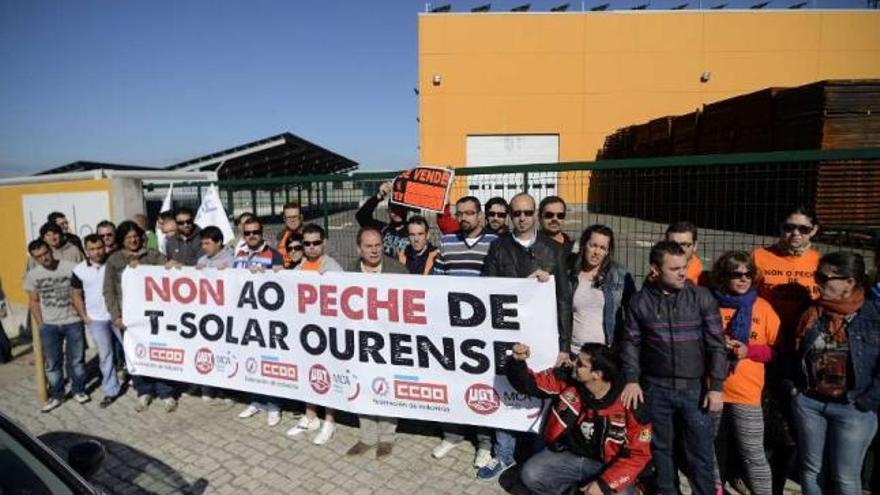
(166, 206)
(211, 212)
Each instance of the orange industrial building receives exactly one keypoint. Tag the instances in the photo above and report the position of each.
(507, 88)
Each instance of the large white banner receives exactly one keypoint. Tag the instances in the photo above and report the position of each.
(421, 347)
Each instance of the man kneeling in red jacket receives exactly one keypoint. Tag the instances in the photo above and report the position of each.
(592, 440)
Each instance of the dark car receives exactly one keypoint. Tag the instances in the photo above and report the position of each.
(28, 466)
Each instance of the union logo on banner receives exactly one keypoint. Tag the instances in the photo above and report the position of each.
(423, 187)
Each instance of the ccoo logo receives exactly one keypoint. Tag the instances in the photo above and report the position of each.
(204, 361)
(482, 399)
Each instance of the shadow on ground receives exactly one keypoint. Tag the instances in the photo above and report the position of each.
(125, 469)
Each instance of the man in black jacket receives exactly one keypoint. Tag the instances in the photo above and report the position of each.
(394, 234)
(673, 345)
(525, 253)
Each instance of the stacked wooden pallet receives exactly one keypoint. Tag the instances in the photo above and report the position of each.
(840, 114)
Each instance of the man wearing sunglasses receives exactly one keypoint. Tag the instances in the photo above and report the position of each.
(527, 253)
(314, 246)
(185, 248)
(106, 230)
(553, 210)
(257, 255)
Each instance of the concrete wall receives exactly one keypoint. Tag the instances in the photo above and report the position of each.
(583, 75)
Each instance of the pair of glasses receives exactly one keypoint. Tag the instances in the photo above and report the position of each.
(107, 235)
(248, 233)
(824, 278)
(520, 213)
(740, 275)
(312, 243)
(295, 247)
(184, 222)
(551, 214)
(497, 214)
(789, 228)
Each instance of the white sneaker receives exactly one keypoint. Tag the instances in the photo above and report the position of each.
(482, 459)
(250, 411)
(273, 417)
(443, 448)
(52, 404)
(81, 398)
(326, 433)
(305, 424)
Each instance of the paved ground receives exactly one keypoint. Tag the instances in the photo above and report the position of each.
(205, 448)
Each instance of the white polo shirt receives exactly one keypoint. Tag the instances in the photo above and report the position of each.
(89, 278)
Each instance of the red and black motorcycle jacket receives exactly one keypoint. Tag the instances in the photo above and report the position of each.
(618, 437)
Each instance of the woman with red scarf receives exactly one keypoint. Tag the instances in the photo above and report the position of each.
(837, 376)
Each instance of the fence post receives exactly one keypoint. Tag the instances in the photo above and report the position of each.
(324, 207)
(199, 189)
(272, 202)
(525, 182)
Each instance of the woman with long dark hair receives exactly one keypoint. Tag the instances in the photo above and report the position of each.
(600, 289)
(837, 376)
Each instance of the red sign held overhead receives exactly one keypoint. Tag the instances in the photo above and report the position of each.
(423, 187)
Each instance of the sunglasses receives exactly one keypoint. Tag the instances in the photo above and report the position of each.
(824, 278)
(497, 214)
(184, 222)
(550, 214)
(788, 228)
(520, 213)
(248, 233)
(295, 247)
(312, 243)
(740, 275)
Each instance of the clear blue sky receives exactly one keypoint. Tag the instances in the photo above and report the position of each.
(157, 82)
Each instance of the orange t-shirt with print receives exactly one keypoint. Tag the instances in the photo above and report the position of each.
(745, 384)
(694, 270)
(787, 282)
(311, 266)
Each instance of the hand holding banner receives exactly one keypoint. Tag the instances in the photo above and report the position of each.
(423, 187)
(389, 345)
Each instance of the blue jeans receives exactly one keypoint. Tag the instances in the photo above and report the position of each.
(505, 446)
(848, 432)
(56, 339)
(104, 336)
(555, 472)
(664, 405)
(147, 385)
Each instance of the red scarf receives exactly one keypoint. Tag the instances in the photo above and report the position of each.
(836, 313)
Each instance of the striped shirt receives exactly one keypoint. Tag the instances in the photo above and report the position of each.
(460, 258)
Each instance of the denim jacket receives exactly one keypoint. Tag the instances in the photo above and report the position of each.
(863, 336)
(617, 286)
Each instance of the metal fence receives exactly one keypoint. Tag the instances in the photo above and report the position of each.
(737, 201)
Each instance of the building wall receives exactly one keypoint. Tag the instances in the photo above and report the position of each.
(583, 75)
(13, 233)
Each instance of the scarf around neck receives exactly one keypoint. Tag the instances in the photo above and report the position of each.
(836, 313)
(741, 323)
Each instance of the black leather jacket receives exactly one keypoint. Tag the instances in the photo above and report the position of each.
(508, 258)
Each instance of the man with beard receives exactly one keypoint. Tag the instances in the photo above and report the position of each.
(462, 254)
(553, 210)
(185, 248)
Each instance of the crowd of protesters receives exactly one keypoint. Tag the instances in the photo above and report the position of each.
(756, 369)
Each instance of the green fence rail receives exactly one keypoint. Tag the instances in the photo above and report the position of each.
(737, 200)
